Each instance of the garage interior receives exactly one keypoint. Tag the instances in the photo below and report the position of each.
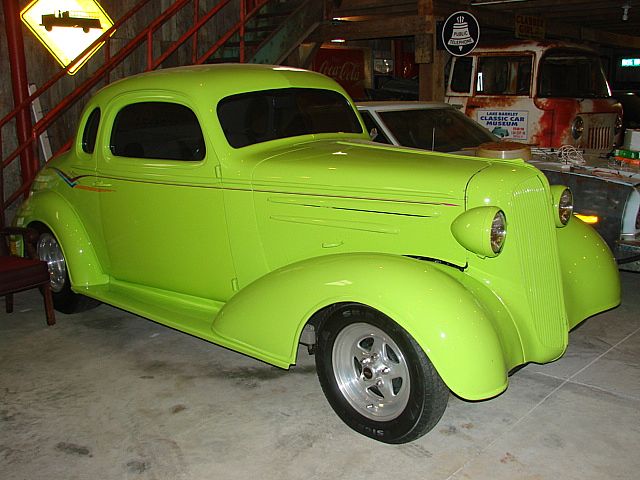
(107, 394)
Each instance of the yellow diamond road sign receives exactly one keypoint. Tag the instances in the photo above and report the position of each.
(67, 27)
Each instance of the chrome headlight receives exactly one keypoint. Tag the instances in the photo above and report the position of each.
(498, 231)
(481, 230)
(577, 127)
(562, 203)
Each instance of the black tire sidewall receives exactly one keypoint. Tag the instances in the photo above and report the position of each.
(411, 423)
(66, 300)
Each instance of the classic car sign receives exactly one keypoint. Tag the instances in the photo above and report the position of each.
(511, 124)
(528, 26)
(460, 33)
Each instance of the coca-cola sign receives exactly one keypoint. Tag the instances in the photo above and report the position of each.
(347, 66)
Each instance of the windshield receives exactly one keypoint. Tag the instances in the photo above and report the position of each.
(572, 74)
(439, 129)
(257, 117)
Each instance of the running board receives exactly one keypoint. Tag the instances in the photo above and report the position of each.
(183, 312)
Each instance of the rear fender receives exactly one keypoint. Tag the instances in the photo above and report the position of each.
(450, 323)
(51, 209)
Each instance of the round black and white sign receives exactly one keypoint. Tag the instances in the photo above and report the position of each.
(460, 33)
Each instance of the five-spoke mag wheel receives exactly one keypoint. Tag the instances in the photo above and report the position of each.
(376, 377)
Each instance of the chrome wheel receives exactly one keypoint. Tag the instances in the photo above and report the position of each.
(371, 372)
(49, 251)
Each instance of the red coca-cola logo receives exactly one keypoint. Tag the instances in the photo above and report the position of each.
(345, 71)
(344, 65)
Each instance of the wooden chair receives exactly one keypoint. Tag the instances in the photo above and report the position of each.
(23, 273)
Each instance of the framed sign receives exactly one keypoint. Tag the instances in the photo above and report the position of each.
(460, 33)
(349, 66)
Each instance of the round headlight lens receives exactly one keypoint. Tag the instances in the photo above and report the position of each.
(481, 230)
(577, 128)
(498, 231)
(565, 206)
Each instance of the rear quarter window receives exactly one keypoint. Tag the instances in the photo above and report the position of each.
(90, 132)
(257, 117)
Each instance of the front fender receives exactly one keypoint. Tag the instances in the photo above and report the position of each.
(449, 322)
(52, 210)
(590, 276)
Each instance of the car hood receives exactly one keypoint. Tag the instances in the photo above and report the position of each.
(367, 169)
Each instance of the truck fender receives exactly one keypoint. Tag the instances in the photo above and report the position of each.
(51, 209)
(265, 319)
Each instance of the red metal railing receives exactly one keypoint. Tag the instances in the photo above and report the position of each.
(247, 10)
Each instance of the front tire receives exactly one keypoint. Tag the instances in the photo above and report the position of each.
(64, 299)
(376, 377)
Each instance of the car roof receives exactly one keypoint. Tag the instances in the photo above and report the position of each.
(402, 105)
(221, 80)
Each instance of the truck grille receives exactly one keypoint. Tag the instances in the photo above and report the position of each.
(538, 262)
(599, 138)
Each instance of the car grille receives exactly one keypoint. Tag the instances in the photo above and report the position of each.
(599, 138)
(539, 262)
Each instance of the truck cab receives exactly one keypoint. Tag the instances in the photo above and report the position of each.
(540, 93)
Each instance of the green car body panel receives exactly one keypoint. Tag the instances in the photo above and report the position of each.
(245, 246)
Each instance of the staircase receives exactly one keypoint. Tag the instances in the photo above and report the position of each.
(213, 31)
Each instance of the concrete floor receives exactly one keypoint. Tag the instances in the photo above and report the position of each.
(107, 395)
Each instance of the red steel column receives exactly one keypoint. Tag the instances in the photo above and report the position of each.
(20, 85)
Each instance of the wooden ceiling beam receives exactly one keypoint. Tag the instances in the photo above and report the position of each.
(386, 27)
(556, 29)
(401, 19)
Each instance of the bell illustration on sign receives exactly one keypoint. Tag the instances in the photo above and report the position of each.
(460, 33)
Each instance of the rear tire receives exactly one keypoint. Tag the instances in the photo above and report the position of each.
(64, 299)
(376, 377)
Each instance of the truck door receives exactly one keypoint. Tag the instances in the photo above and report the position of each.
(503, 97)
(459, 81)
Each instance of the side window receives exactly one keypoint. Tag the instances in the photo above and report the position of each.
(461, 77)
(375, 132)
(91, 131)
(160, 130)
(504, 75)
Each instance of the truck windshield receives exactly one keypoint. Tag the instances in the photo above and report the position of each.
(257, 117)
(439, 129)
(572, 74)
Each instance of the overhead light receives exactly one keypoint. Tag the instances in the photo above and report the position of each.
(338, 40)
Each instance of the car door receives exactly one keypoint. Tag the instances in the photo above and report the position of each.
(163, 220)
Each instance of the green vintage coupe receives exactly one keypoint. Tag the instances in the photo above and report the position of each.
(245, 205)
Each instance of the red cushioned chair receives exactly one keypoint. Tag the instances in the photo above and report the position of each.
(21, 273)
